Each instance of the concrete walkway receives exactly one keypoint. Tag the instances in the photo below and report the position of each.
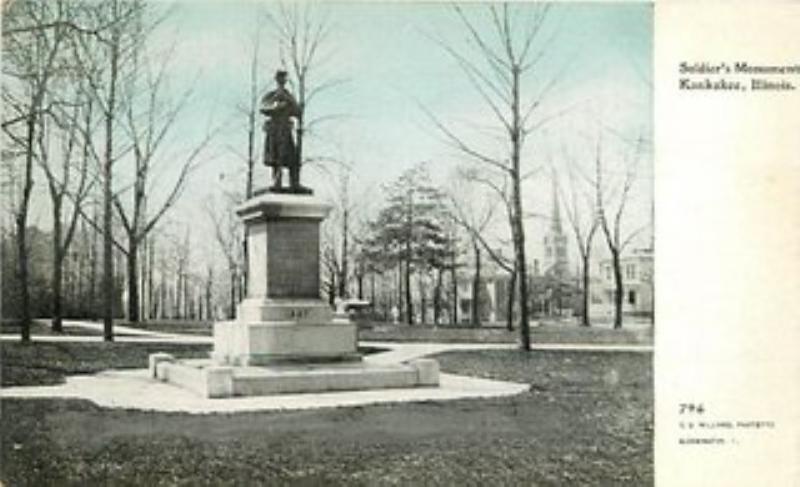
(121, 329)
(135, 389)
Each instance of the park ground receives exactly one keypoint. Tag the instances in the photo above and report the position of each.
(587, 419)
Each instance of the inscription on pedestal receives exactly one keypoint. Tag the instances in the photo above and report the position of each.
(299, 314)
(293, 259)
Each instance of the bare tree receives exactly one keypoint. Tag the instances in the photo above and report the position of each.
(474, 214)
(68, 184)
(582, 216)
(105, 61)
(498, 189)
(611, 201)
(496, 66)
(340, 248)
(251, 110)
(227, 233)
(149, 118)
(331, 265)
(301, 30)
(344, 232)
(34, 37)
(347, 226)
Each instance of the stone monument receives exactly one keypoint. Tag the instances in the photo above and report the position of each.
(285, 338)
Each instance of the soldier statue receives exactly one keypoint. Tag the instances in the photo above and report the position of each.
(280, 150)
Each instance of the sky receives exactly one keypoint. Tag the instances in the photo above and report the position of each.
(391, 65)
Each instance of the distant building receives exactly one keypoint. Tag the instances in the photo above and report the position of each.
(637, 282)
(492, 294)
(553, 290)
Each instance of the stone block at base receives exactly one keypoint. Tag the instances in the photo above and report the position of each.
(427, 371)
(266, 343)
(162, 371)
(154, 359)
(218, 381)
(213, 381)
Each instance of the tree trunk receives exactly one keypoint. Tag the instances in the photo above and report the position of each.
(454, 283)
(585, 320)
(332, 289)
(232, 308)
(57, 319)
(143, 293)
(519, 244)
(164, 290)
(409, 304)
(251, 154)
(22, 270)
(519, 234)
(133, 280)
(82, 262)
(618, 289)
(372, 288)
(476, 288)
(93, 272)
(512, 291)
(344, 269)
(108, 258)
(178, 295)
(423, 301)
(187, 304)
(399, 284)
(21, 219)
(58, 268)
(209, 282)
(151, 259)
(119, 284)
(437, 297)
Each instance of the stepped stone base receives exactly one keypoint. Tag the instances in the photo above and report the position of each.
(261, 343)
(285, 339)
(274, 331)
(208, 379)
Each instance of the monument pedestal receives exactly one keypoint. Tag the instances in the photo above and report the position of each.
(277, 342)
(285, 337)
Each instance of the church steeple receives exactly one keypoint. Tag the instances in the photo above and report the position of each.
(555, 222)
(555, 242)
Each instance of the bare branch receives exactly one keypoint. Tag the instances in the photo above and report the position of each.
(457, 143)
(477, 78)
(178, 187)
(632, 235)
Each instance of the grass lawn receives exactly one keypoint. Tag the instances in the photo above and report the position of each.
(48, 363)
(587, 420)
(42, 328)
(545, 333)
(45, 363)
(186, 327)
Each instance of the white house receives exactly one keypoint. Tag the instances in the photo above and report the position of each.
(637, 282)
